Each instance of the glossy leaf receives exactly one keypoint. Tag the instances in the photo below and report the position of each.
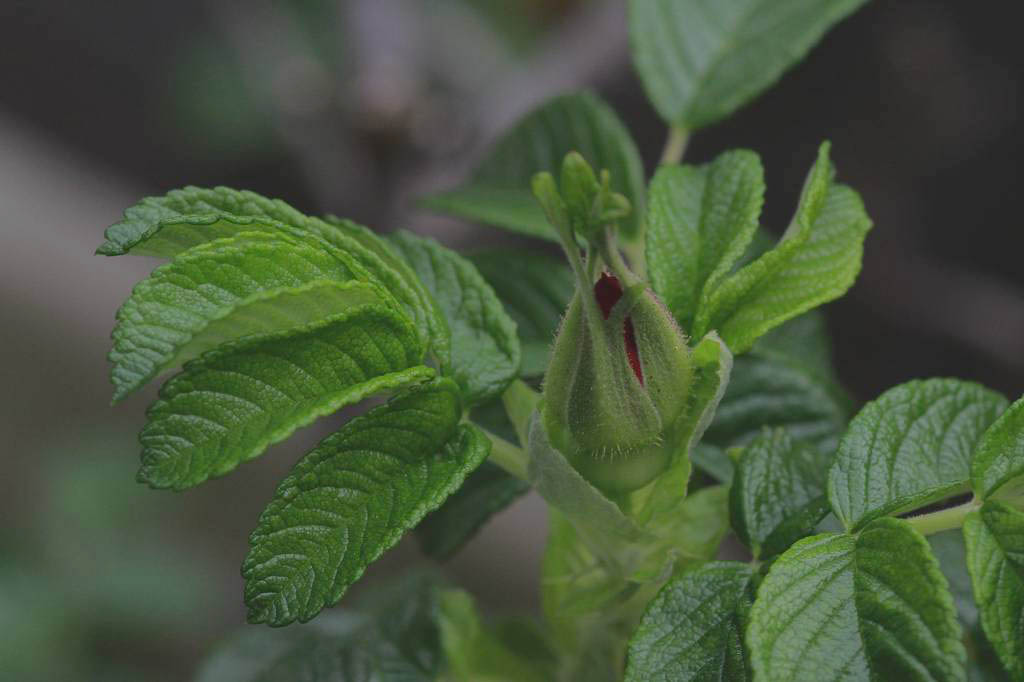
(486, 491)
(353, 497)
(910, 447)
(228, 405)
(816, 260)
(778, 492)
(700, 60)
(999, 459)
(694, 628)
(498, 191)
(995, 559)
(702, 218)
(535, 290)
(485, 351)
(221, 291)
(844, 607)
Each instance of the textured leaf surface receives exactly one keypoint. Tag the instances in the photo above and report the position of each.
(786, 380)
(535, 290)
(224, 290)
(693, 630)
(700, 60)
(228, 405)
(842, 607)
(1000, 456)
(498, 192)
(353, 497)
(778, 492)
(701, 221)
(396, 637)
(486, 491)
(995, 559)
(184, 218)
(485, 352)
(911, 446)
(816, 261)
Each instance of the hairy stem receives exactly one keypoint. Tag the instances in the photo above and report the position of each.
(944, 519)
(520, 401)
(675, 145)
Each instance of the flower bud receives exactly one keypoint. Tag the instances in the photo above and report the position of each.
(617, 384)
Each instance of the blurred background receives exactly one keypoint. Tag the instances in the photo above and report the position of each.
(356, 107)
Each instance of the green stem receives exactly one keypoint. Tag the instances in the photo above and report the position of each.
(675, 145)
(509, 457)
(520, 401)
(944, 519)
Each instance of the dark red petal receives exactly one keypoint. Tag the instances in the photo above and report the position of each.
(608, 291)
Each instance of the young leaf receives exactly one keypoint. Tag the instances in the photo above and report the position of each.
(693, 629)
(701, 60)
(844, 607)
(816, 261)
(182, 219)
(778, 492)
(911, 446)
(228, 405)
(486, 491)
(566, 490)
(221, 291)
(353, 497)
(702, 218)
(498, 192)
(995, 558)
(999, 459)
(535, 290)
(485, 349)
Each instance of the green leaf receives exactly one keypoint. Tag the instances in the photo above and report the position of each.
(948, 548)
(486, 491)
(353, 497)
(702, 218)
(816, 261)
(221, 291)
(565, 489)
(701, 60)
(995, 559)
(910, 447)
(778, 492)
(228, 405)
(999, 459)
(437, 326)
(535, 290)
(395, 637)
(498, 192)
(786, 386)
(514, 653)
(485, 352)
(844, 607)
(693, 630)
(182, 219)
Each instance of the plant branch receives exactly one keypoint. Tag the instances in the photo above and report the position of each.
(509, 457)
(520, 401)
(944, 519)
(675, 145)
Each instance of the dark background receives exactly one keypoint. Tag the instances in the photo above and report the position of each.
(356, 107)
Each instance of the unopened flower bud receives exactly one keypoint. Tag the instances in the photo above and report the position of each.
(617, 384)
